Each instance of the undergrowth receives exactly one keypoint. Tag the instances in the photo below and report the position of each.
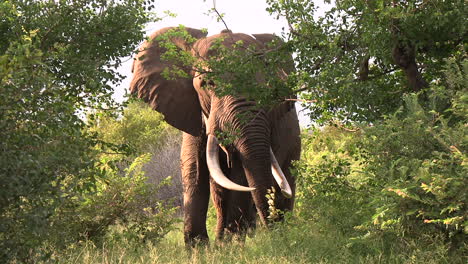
(298, 241)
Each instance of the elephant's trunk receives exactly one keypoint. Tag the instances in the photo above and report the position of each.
(252, 142)
(254, 150)
(251, 129)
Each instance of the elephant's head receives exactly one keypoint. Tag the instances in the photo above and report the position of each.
(191, 105)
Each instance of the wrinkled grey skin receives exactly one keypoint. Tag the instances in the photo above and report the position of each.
(183, 102)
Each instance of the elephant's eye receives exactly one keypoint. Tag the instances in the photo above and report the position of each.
(209, 82)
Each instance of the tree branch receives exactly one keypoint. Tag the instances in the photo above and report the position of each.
(372, 77)
(404, 56)
(339, 125)
(301, 100)
(219, 15)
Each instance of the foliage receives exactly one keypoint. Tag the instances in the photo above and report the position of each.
(239, 70)
(140, 128)
(396, 70)
(57, 59)
(360, 57)
(331, 187)
(403, 178)
(122, 207)
(244, 70)
(420, 164)
(418, 157)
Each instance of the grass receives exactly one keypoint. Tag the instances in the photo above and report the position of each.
(291, 243)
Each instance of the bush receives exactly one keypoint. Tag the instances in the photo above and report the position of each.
(330, 180)
(166, 162)
(418, 159)
(401, 181)
(122, 207)
(419, 168)
(144, 131)
(50, 72)
(139, 127)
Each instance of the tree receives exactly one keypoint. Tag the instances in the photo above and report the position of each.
(57, 59)
(358, 59)
(397, 69)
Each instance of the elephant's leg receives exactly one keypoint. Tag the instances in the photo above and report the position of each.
(195, 179)
(218, 197)
(235, 212)
(286, 145)
(241, 214)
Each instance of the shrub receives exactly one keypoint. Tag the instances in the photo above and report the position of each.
(139, 127)
(331, 186)
(143, 130)
(57, 58)
(419, 170)
(401, 181)
(122, 207)
(403, 178)
(166, 162)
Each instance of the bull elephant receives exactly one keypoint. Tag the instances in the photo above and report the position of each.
(258, 158)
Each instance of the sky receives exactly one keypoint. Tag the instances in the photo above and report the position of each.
(246, 16)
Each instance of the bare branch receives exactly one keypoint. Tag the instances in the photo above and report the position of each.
(301, 90)
(219, 15)
(339, 125)
(301, 100)
(376, 76)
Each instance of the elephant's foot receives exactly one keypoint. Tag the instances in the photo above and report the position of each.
(195, 240)
(234, 233)
(230, 238)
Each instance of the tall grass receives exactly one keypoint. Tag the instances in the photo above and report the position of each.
(295, 242)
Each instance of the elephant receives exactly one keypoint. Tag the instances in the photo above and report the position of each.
(237, 174)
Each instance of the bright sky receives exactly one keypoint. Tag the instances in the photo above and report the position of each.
(246, 16)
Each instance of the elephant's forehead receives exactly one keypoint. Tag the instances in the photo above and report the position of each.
(148, 60)
(153, 43)
(202, 46)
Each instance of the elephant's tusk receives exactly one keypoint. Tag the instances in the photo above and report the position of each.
(221, 146)
(205, 118)
(279, 176)
(216, 173)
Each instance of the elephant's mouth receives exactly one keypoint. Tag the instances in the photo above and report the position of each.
(212, 157)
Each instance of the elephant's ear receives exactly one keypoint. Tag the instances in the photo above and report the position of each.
(175, 98)
(271, 39)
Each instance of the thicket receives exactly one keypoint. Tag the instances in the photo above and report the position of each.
(136, 198)
(394, 73)
(123, 205)
(138, 127)
(58, 60)
(142, 131)
(400, 183)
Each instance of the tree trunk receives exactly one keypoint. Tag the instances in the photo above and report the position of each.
(404, 56)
